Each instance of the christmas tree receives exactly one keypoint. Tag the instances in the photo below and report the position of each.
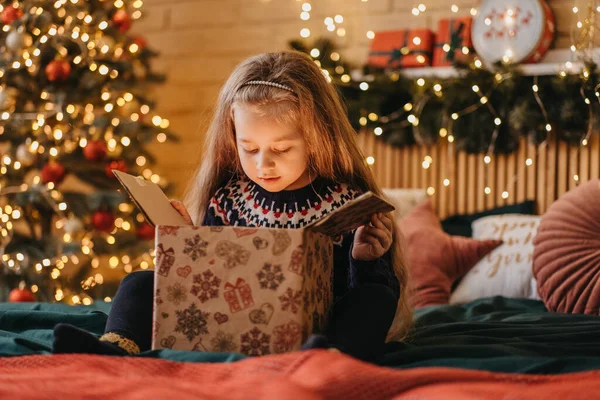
(74, 104)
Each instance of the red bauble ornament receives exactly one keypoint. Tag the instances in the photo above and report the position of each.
(53, 172)
(140, 41)
(145, 231)
(95, 150)
(58, 70)
(122, 20)
(11, 14)
(119, 165)
(103, 221)
(20, 296)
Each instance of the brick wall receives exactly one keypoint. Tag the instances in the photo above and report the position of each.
(201, 41)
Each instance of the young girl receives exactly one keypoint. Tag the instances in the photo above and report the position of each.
(280, 152)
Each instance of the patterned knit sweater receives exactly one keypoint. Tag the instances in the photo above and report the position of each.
(244, 203)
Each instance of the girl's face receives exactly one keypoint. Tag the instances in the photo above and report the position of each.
(273, 156)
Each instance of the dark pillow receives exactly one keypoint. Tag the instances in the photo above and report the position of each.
(460, 225)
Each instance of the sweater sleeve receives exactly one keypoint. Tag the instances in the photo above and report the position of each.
(380, 270)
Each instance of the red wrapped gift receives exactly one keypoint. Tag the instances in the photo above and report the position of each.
(453, 41)
(401, 49)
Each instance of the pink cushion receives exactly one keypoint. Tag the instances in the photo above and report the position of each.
(436, 259)
(566, 257)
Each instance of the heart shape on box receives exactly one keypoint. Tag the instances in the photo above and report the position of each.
(282, 241)
(263, 315)
(244, 231)
(168, 342)
(221, 318)
(165, 315)
(211, 262)
(184, 271)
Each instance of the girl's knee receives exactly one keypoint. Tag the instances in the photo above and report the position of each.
(139, 279)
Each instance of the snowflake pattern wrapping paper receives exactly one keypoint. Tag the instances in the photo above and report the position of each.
(255, 291)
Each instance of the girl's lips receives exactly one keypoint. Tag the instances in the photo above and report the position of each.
(269, 179)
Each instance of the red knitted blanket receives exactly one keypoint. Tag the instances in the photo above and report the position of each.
(316, 374)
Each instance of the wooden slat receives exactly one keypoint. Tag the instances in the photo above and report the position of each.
(400, 170)
(452, 176)
(443, 192)
(435, 174)
(415, 167)
(360, 140)
(471, 182)
(423, 176)
(490, 182)
(389, 166)
(372, 148)
(380, 159)
(551, 174)
(595, 156)
(462, 184)
(500, 184)
(479, 191)
(573, 167)
(406, 167)
(563, 168)
(397, 181)
(511, 188)
(368, 145)
(584, 163)
(522, 171)
(531, 171)
(541, 180)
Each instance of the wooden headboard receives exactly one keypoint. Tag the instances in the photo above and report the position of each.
(555, 168)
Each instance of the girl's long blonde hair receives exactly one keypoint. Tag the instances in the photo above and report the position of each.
(316, 109)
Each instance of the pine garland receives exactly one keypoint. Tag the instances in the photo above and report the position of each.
(409, 113)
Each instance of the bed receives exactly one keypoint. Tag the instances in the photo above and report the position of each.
(504, 346)
(489, 348)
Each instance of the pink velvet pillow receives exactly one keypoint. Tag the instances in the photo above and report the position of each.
(566, 256)
(436, 259)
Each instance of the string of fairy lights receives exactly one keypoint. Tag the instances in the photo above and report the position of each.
(583, 41)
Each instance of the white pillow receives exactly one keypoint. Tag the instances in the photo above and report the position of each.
(405, 199)
(506, 271)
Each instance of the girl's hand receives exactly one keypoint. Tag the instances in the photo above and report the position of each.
(177, 205)
(373, 240)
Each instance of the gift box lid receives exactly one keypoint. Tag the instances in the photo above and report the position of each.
(150, 199)
(351, 215)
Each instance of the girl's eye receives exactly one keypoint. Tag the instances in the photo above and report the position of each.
(283, 151)
(251, 151)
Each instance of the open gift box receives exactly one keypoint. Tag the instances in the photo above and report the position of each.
(247, 290)
(250, 290)
(255, 291)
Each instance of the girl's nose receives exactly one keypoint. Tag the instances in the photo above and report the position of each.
(265, 161)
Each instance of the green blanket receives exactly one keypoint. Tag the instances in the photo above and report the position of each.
(494, 334)
(26, 328)
(501, 335)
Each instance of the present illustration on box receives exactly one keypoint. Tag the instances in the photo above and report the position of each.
(164, 259)
(238, 296)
